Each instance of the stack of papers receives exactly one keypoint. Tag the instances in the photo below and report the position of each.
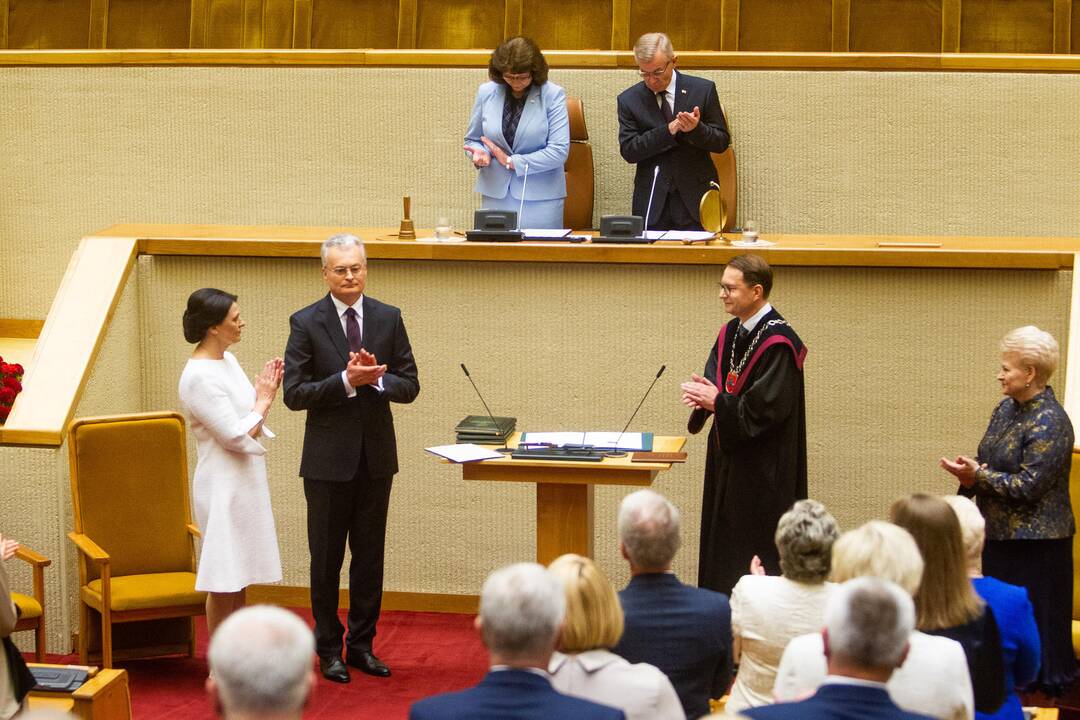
(463, 453)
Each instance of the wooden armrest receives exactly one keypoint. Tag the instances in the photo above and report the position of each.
(35, 559)
(194, 530)
(99, 682)
(89, 548)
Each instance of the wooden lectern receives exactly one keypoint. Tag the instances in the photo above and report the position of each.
(104, 696)
(564, 491)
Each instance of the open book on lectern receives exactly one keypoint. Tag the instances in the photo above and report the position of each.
(630, 442)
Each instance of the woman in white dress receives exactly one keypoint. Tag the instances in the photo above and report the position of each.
(230, 491)
(585, 667)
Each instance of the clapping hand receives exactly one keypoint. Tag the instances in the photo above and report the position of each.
(756, 568)
(480, 159)
(8, 548)
(700, 393)
(363, 368)
(963, 467)
(268, 381)
(687, 121)
(498, 153)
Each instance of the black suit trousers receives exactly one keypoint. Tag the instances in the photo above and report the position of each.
(354, 512)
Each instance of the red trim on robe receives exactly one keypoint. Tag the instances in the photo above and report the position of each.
(775, 338)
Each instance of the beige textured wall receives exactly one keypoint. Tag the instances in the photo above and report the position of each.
(82, 148)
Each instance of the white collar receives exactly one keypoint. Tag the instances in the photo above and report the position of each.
(590, 660)
(750, 324)
(341, 307)
(845, 680)
(671, 85)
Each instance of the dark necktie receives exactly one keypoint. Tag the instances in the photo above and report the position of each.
(664, 107)
(512, 108)
(352, 330)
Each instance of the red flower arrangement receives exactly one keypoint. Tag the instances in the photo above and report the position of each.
(11, 375)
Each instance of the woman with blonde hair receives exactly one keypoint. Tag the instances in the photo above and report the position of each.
(946, 604)
(585, 667)
(1020, 481)
(767, 611)
(933, 679)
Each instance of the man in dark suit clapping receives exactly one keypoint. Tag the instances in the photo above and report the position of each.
(348, 357)
(672, 121)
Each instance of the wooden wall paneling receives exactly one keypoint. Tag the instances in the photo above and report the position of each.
(148, 24)
(620, 25)
(354, 24)
(301, 24)
(729, 25)
(782, 25)
(44, 24)
(200, 25)
(449, 24)
(1063, 12)
(1007, 26)
(1075, 26)
(691, 26)
(568, 24)
(950, 26)
(99, 24)
(406, 24)
(512, 19)
(841, 25)
(896, 26)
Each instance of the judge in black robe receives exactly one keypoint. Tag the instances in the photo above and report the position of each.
(756, 463)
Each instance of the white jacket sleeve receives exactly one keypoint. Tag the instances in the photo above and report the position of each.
(208, 403)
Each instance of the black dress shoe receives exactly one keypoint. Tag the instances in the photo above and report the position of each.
(334, 670)
(366, 662)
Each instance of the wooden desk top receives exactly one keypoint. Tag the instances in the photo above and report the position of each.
(802, 250)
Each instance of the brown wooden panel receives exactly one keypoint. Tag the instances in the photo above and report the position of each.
(148, 24)
(354, 24)
(690, 25)
(567, 24)
(48, 24)
(1075, 26)
(896, 26)
(784, 25)
(1007, 26)
(443, 24)
(247, 23)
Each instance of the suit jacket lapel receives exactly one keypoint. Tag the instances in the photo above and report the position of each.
(682, 98)
(496, 108)
(332, 323)
(529, 114)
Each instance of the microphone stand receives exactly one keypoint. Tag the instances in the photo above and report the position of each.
(648, 208)
(615, 452)
(504, 449)
(521, 205)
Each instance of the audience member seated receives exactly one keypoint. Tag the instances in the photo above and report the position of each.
(260, 665)
(1012, 610)
(15, 679)
(768, 611)
(685, 631)
(946, 603)
(586, 667)
(521, 613)
(933, 680)
(868, 622)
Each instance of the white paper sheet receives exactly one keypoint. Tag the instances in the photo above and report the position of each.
(546, 233)
(465, 452)
(693, 235)
(629, 441)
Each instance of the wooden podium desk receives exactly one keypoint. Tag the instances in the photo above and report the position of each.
(104, 696)
(564, 491)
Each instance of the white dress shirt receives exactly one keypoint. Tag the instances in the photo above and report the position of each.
(358, 306)
(669, 93)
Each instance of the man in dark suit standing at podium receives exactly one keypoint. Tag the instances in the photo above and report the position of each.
(672, 121)
(348, 357)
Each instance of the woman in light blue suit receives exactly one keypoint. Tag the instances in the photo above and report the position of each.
(519, 124)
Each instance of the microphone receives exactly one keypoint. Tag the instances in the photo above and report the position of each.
(615, 452)
(494, 424)
(521, 206)
(648, 209)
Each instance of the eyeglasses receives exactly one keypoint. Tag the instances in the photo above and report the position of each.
(354, 270)
(728, 289)
(516, 77)
(655, 74)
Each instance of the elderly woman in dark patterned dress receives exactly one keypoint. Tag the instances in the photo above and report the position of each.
(1020, 481)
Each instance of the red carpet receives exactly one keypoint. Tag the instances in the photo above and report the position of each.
(428, 653)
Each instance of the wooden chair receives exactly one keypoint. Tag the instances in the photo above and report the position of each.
(727, 178)
(580, 178)
(133, 530)
(32, 607)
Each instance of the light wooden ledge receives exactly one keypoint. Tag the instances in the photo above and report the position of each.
(96, 275)
(599, 59)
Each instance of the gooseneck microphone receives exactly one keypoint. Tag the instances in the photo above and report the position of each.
(494, 425)
(521, 205)
(648, 209)
(615, 451)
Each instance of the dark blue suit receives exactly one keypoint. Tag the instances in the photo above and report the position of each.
(513, 694)
(685, 631)
(837, 702)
